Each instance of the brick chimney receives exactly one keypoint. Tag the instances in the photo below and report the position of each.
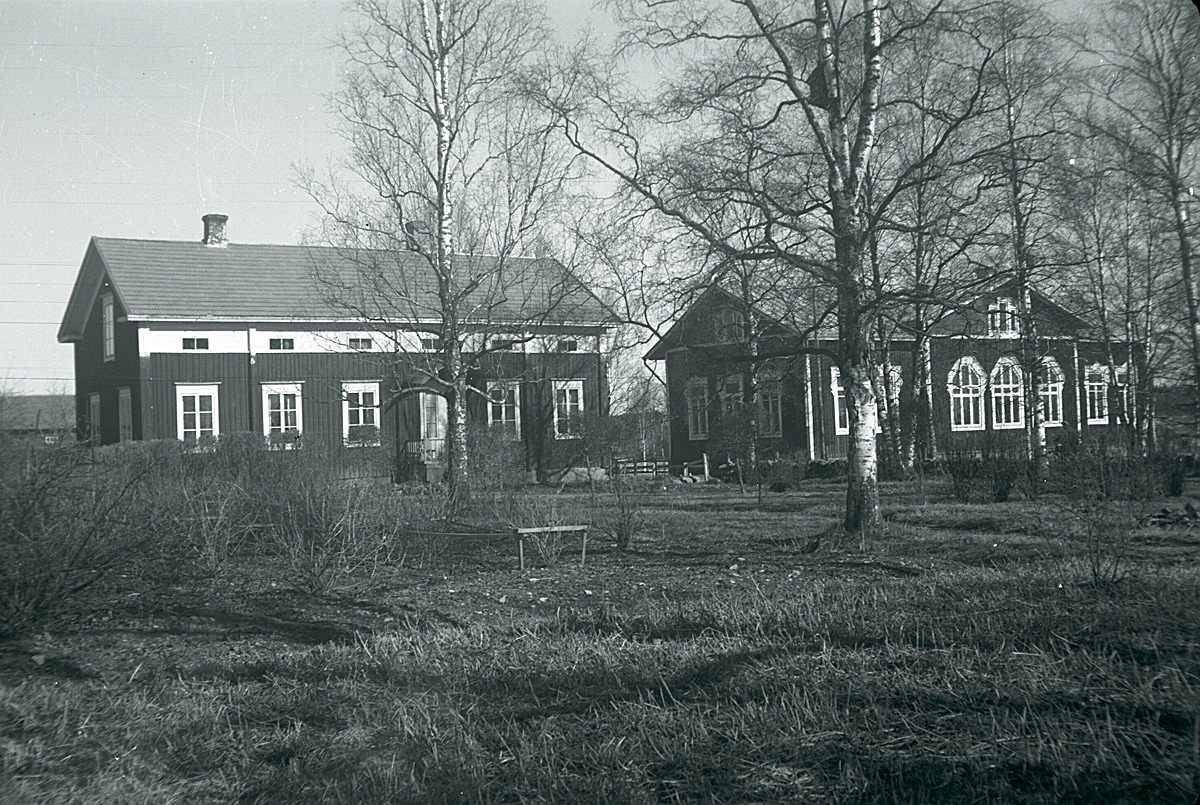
(214, 229)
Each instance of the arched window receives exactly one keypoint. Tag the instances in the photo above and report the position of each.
(1008, 398)
(965, 384)
(1051, 393)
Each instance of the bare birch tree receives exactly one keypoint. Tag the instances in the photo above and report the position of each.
(454, 167)
(1149, 78)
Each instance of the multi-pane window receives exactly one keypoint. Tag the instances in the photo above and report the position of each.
(504, 410)
(1095, 385)
(108, 325)
(197, 412)
(965, 384)
(696, 395)
(1008, 397)
(770, 405)
(729, 326)
(281, 343)
(283, 414)
(125, 414)
(360, 414)
(431, 344)
(841, 414)
(360, 344)
(195, 343)
(503, 344)
(93, 421)
(568, 408)
(567, 345)
(1002, 318)
(1051, 393)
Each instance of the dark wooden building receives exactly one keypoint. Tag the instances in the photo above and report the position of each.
(196, 340)
(715, 372)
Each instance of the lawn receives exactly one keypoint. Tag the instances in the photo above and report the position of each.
(740, 652)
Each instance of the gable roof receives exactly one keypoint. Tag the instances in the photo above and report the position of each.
(190, 281)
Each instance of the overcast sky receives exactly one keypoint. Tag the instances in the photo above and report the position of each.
(133, 119)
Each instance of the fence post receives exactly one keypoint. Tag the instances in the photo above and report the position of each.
(706, 477)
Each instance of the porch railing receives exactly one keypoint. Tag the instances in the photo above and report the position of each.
(426, 451)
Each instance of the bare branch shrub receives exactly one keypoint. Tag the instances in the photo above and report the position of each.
(65, 522)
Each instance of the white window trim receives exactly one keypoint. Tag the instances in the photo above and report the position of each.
(731, 326)
(696, 403)
(1019, 396)
(360, 387)
(839, 402)
(1087, 388)
(124, 414)
(952, 384)
(283, 388)
(563, 385)
(108, 326)
(1010, 310)
(189, 389)
(1050, 368)
(506, 385)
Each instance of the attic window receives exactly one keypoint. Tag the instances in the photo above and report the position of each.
(108, 326)
(567, 345)
(282, 343)
(1002, 318)
(195, 343)
(360, 344)
(431, 344)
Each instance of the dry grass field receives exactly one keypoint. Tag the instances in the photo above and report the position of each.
(738, 652)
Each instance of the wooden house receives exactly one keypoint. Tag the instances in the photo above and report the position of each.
(720, 362)
(197, 340)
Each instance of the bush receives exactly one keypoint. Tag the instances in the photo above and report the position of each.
(65, 523)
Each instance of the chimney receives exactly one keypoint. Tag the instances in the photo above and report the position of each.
(214, 229)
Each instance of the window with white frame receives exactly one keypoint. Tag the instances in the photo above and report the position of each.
(841, 414)
(504, 409)
(431, 343)
(108, 324)
(281, 343)
(567, 345)
(283, 414)
(770, 404)
(1002, 318)
(195, 343)
(361, 344)
(568, 408)
(1121, 393)
(125, 414)
(965, 385)
(93, 421)
(360, 414)
(1008, 396)
(1095, 385)
(197, 412)
(696, 395)
(1051, 393)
